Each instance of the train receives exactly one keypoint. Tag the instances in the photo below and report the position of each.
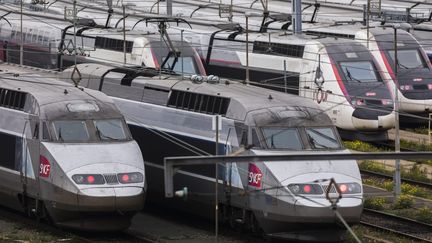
(67, 154)
(413, 78)
(343, 78)
(169, 116)
(50, 43)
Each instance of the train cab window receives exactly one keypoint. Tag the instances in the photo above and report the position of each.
(188, 63)
(45, 133)
(322, 138)
(282, 138)
(408, 59)
(71, 131)
(112, 129)
(360, 71)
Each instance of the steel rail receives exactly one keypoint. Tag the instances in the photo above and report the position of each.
(402, 220)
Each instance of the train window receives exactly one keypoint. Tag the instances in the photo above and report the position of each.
(7, 150)
(67, 131)
(111, 129)
(187, 64)
(282, 138)
(255, 140)
(361, 71)
(45, 132)
(408, 59)
(322, 138)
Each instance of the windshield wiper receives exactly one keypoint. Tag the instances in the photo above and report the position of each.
(60, 136)
(401, 65)
(103, 136)
(272, 142)
(350, 76)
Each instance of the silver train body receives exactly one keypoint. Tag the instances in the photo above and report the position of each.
(66, 153)
(49, 43)
(172, 117)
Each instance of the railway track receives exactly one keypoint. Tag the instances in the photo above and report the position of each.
(426, 185)
(397, 225)
(67, 236)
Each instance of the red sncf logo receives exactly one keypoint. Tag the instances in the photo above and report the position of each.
(44, 167)
(255, 176)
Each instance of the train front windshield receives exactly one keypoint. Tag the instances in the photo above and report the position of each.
(89, 130)
(291, 138)
(361, 71)
(282, 138)
(322, 138)
(181, 65)
(408, 59)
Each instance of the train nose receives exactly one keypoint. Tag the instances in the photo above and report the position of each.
(373, 120)
(111, 199)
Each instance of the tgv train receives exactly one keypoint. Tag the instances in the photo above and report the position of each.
(172, 117)
(342, 77)
(66, 153)
(413, 82)
(49, 43)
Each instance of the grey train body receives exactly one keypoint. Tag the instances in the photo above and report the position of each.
(52, 170)
(172, 117)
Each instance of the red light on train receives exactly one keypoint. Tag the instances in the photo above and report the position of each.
(343, 188)
(90, 179)
(125, 178)
(307, 188)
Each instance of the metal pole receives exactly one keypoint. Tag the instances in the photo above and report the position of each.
(247, 50)
(124, 34)
(397, 176)
(297, 17)
(181, 46)
(74, 23)
(216, 182)
(367, 22)
(169, 7)
(161, 50)
(21, 41)
(285, 76)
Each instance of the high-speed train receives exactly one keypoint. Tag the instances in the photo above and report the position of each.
(414, 71)
(67, 154)
(342, 77)
(168, 116)
(49, 43)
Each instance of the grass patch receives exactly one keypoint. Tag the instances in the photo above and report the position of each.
(361, 146)
(415, 146)
(406, 189)
(374, 166)
(376, 203)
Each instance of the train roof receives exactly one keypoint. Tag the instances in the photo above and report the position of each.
(236, 99)
(55, 99)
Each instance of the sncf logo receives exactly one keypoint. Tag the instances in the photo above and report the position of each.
(255, 176)
(44, 167)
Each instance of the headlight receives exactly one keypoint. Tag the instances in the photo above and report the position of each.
(88, 179)
(134, 177)
(349, 188)
(305, 189)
